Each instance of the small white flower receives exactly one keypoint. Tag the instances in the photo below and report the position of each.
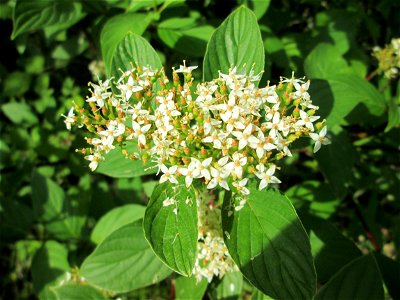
(184, 69)
(306, 120)
(70, 118)
(320, 139)
(235, 167)
(266, 176)
(169, 201)
(241, 186)
(130, 87)
(139, 132)
(245, 137)
(168, 174)
(192, 171)
(94, 160)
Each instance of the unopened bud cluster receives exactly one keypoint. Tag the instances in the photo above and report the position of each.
(388, 59)
(222, 132)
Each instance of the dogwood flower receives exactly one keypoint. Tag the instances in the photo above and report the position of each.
(320, 139)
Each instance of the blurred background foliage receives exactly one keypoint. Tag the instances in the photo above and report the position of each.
(348, 197)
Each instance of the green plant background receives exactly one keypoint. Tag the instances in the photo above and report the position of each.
(57, 216)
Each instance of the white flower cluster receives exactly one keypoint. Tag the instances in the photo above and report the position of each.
(222, 132)
(213, 258)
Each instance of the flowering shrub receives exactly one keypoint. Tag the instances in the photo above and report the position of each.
(225, 177)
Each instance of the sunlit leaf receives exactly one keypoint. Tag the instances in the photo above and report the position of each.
(117, 264)
(170, 226)
(236, 42)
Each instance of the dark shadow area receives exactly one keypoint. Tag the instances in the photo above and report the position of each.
(322, 96)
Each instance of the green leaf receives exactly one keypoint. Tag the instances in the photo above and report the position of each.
(172, 230)
(19, 113)
(117, 166)
(17, 84)
(360, 279)
(78, 292)
(315, 197)
(341, 94)
(230, 286)
(336, 161)
(116, 29)
(236, 42)
(258, 7)
(49, 265)
(331, 249)
(48, 198)
(185, 36)
(390, 270)
(270, 246)
(393, 114)
(115, 219)
(124, 262)
(133, 49)
(324, 61)
(189, 288)
(31, 15)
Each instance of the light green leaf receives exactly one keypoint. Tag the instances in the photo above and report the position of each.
(31, 15)
(360, 279)
(48, 198)
(16, 84)
(230, 286)
(115, 219)
(270, 246)
(259, 7)
(185, 36)
(189, 288)
(19, 113)
(172, 229)
(49, 265)
(78, 292)
(236, 42)
(116, 29)
(124, 262)
(324, 61)
(341, 94)
(393, 114)
(117, 166)
(331, 250)
(133, 49)
(315, 197)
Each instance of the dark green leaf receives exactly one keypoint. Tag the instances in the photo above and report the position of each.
(48, 198)
(360, 279)
(331, 250)
(390, 270)
(31, 15)
(133, 49)
(270, 246)
(172, 229)
(336, 161)
(236, 42)
(115, 219)
(124, 262)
